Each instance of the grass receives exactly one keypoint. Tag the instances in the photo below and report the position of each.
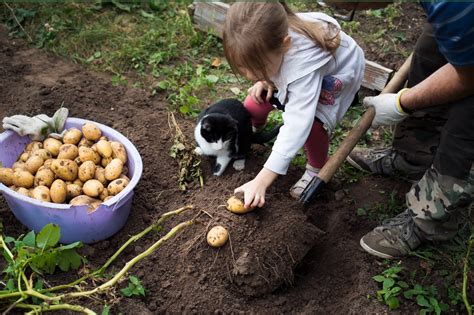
(184, 67)
(157, 50)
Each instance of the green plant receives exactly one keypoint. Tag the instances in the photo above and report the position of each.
(391, 286)
(39, 299)
(426, 297)
(134, 287)
(470, 244)
(38, 253)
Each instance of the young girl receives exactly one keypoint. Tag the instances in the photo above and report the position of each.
(317, 70)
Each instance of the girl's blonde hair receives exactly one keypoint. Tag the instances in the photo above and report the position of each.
(254, 29)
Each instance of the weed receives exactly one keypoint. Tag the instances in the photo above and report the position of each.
(38, 253)
(350, 27)
(426, 298)
(134, 287)
(391, 286)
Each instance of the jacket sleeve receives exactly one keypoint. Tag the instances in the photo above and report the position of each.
(300, 109)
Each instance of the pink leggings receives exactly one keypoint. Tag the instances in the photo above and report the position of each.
(317, 144)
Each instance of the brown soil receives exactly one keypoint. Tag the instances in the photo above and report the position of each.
(252, 273)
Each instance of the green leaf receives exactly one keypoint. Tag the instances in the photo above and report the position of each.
(409, 294)
(71, 246)
(68, 260)
(199, 70)
(134, 287)
(388, 283)
(134, 280)
(44, 263)
(395, 290)
(402, 284)
(7, 257)
(8, 239)
(235, 90)
(435, 305)
(48, 236)
(422, 301)
(11, 285)
(146, 14)
(106, 310)
(141, 290)
(444, 307)
(127, 292)
(393, 303)
(121, 6)
(212, 78)
(361, 212)
(184, 109)
(163, 85)
(38, 286)
(379, 278)
(30, 239)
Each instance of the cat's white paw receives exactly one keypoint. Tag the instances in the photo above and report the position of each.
(198, 151)
(218, 170)
(239, 165)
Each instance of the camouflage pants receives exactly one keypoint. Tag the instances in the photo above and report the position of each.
(440, 139)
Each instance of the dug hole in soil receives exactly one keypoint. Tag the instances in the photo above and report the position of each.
(277, 260)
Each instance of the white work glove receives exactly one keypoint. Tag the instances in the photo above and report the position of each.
(387, 109)
(38, 127)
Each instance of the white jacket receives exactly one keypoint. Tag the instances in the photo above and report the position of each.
(300, 85)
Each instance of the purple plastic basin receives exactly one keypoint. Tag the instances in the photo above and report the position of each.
(75, 222)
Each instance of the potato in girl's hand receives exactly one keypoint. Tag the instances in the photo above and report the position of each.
(236, 205)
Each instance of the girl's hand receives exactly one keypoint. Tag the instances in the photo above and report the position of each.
(254, 191)
(256, 91)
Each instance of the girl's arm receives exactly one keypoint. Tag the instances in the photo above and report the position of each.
(298, 117)
(303, 95)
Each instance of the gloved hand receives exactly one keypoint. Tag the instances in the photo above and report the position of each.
(387, 109)
(39, 126)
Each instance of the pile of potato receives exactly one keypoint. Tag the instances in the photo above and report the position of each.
(84, 168)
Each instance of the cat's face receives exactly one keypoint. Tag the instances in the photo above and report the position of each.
(218, 130)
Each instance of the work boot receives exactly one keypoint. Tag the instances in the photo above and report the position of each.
(297, 189)
(396, 237)
(384, 161)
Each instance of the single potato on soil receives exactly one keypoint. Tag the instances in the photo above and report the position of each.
(217, 236)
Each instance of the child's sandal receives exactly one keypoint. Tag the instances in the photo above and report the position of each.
(297, 189)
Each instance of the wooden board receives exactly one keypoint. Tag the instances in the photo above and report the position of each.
(210, 17)
(375, 76)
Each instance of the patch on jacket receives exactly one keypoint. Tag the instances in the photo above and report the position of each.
(331, 87)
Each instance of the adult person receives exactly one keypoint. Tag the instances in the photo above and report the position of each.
(434, 136)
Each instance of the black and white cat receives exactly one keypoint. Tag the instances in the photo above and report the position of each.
(224, 130)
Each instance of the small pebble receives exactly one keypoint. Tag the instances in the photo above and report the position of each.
(339, 195)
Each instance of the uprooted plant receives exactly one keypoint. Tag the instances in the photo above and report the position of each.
(183, 152)
(33, 255)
